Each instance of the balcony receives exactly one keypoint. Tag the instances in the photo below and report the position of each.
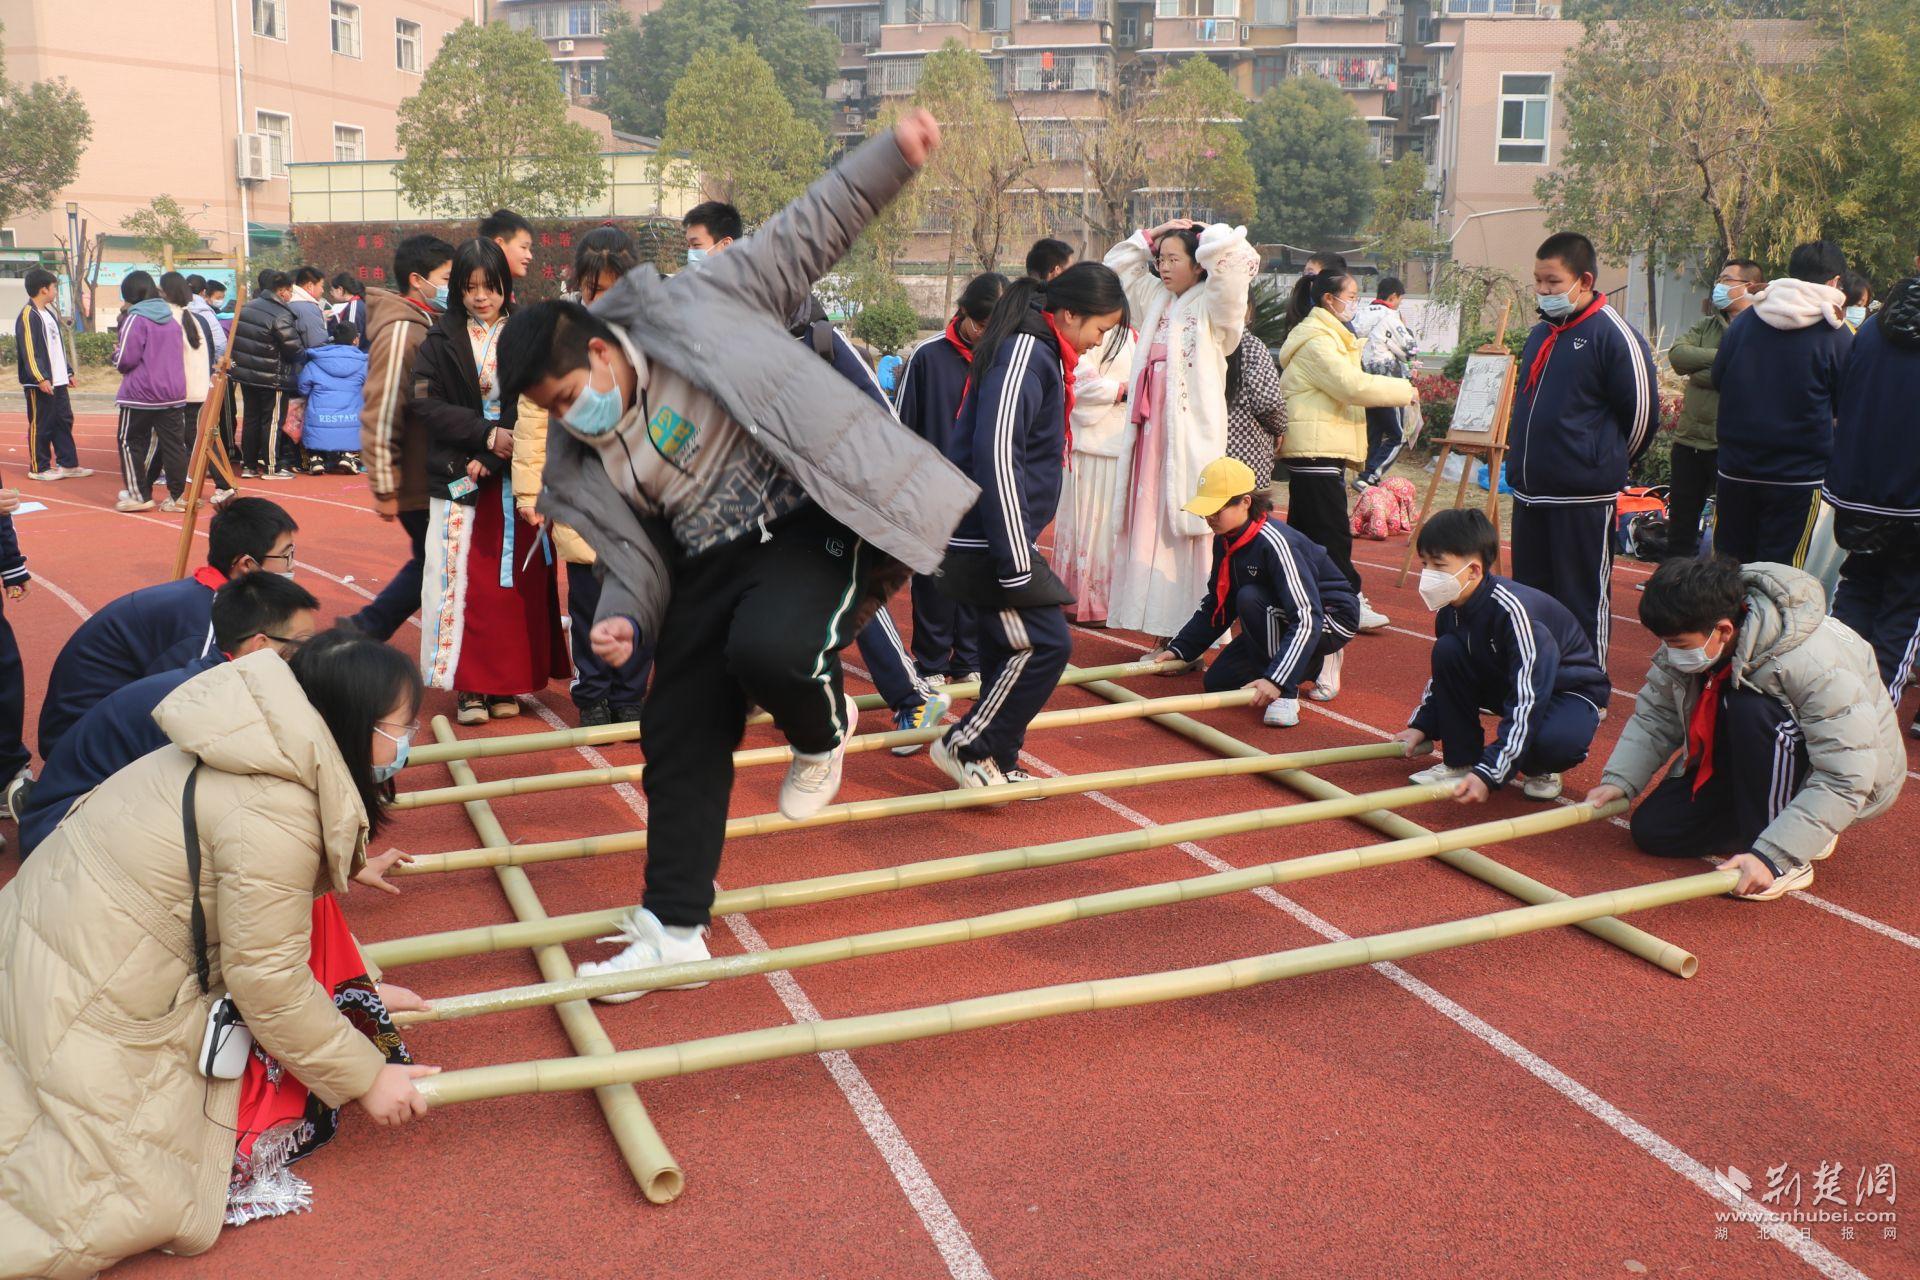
(1338, 8)
(1495, 8)
(1358, 71)
(1054, 73)
(1195, 33)
(1068, 11)
(915, 13)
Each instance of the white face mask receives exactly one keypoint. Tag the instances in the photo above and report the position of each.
(1438, 588)
(1690, 661)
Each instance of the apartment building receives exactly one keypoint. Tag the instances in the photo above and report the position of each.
(210, 101)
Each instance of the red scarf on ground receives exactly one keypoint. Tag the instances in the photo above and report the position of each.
(1539, 364)
(1225, 581)
(1706, 714)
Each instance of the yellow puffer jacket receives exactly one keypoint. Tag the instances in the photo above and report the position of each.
(529, 461)
(1328, 393)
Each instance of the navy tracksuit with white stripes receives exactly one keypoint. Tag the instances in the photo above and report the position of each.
(945, 631)
(1294, 606)
(1522, 655)
(1586, 408)
(1011, 437)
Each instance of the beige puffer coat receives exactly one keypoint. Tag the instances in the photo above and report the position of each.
(111, 1142)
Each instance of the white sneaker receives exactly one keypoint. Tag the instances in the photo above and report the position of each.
(1371, 619)
(934, 682)
(1021, 775)
(1541, 786)
(1281, 713)
(650, 944)
(814, 780)
(1442, 772)
(1825, 852)
(1327, 687)
(922, 715)
(965, 773)
(1783, 884)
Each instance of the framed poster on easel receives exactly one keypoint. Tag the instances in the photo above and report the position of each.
(1481, 416)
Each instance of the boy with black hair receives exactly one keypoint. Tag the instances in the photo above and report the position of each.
(266, 349)
(393, 448)
(746, 508)
(161, 627)
(1507, 649)
(1778, 372)
(1048, 258)
(253, 612)
(1294, 605)
(1387, 348)
(198, 288)
(1786, 736)
(514, 235)
(710, 228)
(46, 374)
(1585, 409)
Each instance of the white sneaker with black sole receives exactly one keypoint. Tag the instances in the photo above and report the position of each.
(1281, 713)
(1541, 786)
(814, 780)
(1371, 619)
(650, 944)
(965, 773)
(1021, 775)
(1438, 773)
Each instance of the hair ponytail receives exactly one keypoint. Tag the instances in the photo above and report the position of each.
(1085, 288)
(174, 288)
(1325, 285)
(1004, 321)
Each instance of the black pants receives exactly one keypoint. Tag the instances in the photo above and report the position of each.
(229, 422)
(1759, 765)
(751, 620)
(399, 600)
(1566, 550)
(890, 665)
(156, 461)
(1268, 626)
(1772, 522)
(1694, 472)
(50, 429)
(1384, 442)
(164, 433)
(1317, 507)
(946, 639)
(263, 447)
(1556, 737)
(14, 755)
(594, 680)
(1879, 597)
(1022, 653)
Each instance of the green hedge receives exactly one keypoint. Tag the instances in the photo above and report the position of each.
(93, 349)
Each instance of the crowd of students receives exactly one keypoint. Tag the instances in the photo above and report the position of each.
(728, 526)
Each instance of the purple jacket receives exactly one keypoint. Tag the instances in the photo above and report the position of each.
(152, 355)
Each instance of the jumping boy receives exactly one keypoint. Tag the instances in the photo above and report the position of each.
(1785, 732)
(1504, 648)
(744, 503)
(1294, 605)
(1585, 409)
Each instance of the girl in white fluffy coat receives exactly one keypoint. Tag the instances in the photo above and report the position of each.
(1189, 284)
(1099, 475)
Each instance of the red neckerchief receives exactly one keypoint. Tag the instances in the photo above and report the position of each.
(209, 577)
(1225, 581)
(958, 343)
(1539, 364)
(1068, 359)
(1706, 714)
(422, 308)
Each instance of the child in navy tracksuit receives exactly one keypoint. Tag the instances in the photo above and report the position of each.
(1012, 437)
(945, 645)
(1585, 409)
(1873, 485)
(1294, 605)
(1505, 648)
(1778, 372)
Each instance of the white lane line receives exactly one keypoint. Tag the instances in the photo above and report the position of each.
(60, 593)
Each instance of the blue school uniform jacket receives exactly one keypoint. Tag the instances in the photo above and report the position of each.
(130, 638)
(1586, 406)
(1779, 391)
(1011, 437)
(334, 381)
(931, 387)
(1527, 644)
(1875, 468)
(115, 732)
(1307, 587)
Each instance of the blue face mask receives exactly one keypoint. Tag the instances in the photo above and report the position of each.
(696, 256)
(594, 412)
(385, 773)
(441, 296)
(1555, 306)
(1722, 296)
(1856, 315)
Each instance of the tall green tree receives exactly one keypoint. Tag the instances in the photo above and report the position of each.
(1316, 174)
(980, 181)
(161, 226)
(1875, 179)
(44, 128)
(488, 129)
(645, 60)
(1401, 228)
(739, 137)
(1196, 147)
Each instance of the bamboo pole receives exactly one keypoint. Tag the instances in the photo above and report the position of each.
(628, 731)
(1017, 920)
(569, 779)
(1625, 936)
(949, 800)
(206, 442)
(911, 875)
(797, 1039)
(646, 1154)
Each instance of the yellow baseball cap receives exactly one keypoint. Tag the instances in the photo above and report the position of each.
(1221, 481)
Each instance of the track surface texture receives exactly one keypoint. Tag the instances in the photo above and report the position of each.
(1541, 1106)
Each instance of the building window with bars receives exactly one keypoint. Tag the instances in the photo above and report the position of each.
(279, 131)
(894, 75)
(1061, 10)
(346, 29)
(349, 142)
(1526, 107)
(406, 45)
(916, 12)
(270, 19)
(1272, 13)
(1051, 73)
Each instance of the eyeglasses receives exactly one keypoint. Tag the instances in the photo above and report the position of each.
(286, 555)
(292, 642)
(410, 730)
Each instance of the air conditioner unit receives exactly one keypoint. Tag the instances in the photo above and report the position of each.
(856, 119)
(1126, 40)
(252, 160)
(565, 46)
(999, 42)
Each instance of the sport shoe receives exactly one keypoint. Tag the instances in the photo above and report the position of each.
(965, 773)
(20, 793)
(973, 677)
(74, 473)
(1541, 786)
(282, 474)
(129, 503)
(924, 715)
(317, 466)
(1363, 483)
(1438, 773)
(934, 682)
(596, 713)
(650, 944)
(470, 708)
(814, 780)
(626, 713)
(1020, 775)
(52, 473)
(503, 708)
(1826, 850)
(1783, 884)
(1371, 619)
(1281, 713)
(248, 473)
(173, 506)
(1327, 687)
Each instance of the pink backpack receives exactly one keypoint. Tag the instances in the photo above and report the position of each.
(1384, 510)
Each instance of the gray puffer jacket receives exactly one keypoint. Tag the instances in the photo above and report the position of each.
(1790, 650)
(723, 327)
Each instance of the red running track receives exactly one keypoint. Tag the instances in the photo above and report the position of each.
(1539, 1106)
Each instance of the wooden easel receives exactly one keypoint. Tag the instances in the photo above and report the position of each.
(208, 451)
(1489, 445)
